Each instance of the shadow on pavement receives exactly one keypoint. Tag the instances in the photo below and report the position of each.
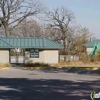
(25, 89)
(78, 71)
(55, 70)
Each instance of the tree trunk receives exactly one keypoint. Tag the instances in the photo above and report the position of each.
(7, 33)
(68, 51)
(64, 43)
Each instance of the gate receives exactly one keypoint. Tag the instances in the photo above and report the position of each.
(17, 56)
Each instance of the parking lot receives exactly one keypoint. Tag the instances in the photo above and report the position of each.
(19, 84)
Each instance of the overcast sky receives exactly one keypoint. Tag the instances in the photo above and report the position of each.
(87, 12)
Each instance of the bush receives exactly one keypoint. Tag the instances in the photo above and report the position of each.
(98, 56)
(37, 65)
(8, 65)
(5, 65)
(95, 58)
(84, 57)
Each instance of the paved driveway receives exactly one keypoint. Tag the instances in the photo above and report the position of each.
(19, 84)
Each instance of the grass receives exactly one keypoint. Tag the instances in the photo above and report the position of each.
(5, 66)
(79, 64)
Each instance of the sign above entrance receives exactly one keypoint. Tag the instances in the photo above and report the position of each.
(34, 50)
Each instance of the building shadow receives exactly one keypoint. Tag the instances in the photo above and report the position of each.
(26, 89)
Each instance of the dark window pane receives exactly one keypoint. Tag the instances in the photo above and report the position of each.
(34, 53)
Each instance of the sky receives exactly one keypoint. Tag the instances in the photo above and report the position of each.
(87, 12)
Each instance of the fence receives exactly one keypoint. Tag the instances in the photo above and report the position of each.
(14, 59)
(71, 58)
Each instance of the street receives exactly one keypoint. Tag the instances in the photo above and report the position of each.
(19, 84)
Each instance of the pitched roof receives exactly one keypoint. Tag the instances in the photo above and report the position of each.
(39, 43)
(91, 44)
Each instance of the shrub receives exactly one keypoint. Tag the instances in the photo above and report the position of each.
(95, 58)
(84, 57)
(37, 65)
(8, 65)
(98, 55)
(5, 65)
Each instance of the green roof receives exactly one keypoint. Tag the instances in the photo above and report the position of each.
(38, 43)
(91, 44)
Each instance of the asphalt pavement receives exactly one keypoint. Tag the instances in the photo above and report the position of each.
(19, 84)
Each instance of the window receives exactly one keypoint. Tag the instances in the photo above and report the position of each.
(34, 53)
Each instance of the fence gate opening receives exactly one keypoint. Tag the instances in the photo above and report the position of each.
(17, 56)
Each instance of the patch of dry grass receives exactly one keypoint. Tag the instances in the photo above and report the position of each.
(80, 64)
(5, 66)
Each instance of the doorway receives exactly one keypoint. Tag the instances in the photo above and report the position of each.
(17, 57)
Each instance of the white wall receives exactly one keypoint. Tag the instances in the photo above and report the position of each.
(4, 56)
(46, 56)
(88, 50)
(51, 56)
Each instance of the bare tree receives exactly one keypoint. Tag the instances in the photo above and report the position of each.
(28, 28)
(13, 12)
(2, 32)
(82, 36)
(52, 33)
(61, 20)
